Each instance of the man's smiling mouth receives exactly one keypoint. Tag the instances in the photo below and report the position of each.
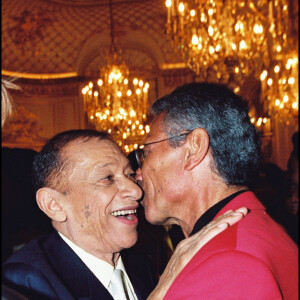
(124, 213)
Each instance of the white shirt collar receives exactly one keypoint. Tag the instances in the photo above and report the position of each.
(100, 268)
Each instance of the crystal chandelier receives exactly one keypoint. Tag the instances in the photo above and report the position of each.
(227, 40)
(280, 86)
(117, 102)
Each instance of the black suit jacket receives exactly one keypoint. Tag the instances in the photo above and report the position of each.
(47, 268)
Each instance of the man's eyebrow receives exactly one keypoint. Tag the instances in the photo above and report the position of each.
(101, 165)
(128, 166)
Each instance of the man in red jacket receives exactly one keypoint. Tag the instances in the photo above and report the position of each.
(198, 162)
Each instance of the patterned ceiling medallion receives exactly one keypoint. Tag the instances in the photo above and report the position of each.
(29, 26)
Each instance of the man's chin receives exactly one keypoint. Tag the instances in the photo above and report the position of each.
(152, 218)
(130, 242)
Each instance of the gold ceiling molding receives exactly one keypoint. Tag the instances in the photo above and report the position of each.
(92, 2)
(169, 66)
(39, 76)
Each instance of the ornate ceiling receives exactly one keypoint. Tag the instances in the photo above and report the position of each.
(64, 36)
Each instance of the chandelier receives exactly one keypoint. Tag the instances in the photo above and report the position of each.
(117, 102)
(280, 93)
(228, 40)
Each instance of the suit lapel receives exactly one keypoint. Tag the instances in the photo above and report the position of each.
(138, 270)
(78, 279)
(137, 283)
(96, 289)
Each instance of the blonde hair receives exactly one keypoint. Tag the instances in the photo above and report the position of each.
(6, 100)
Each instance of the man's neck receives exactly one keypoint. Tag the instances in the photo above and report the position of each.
(205, 201)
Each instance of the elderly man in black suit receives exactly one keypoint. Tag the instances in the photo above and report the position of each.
(86, 186)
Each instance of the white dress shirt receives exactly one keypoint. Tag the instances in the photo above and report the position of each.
(100, 268)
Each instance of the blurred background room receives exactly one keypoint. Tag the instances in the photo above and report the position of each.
(101, 63)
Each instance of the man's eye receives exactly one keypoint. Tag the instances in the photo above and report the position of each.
(105, 181)
(132, 176)
(107, 178)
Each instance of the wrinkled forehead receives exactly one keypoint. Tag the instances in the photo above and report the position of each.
(83, 156)
(84, 149)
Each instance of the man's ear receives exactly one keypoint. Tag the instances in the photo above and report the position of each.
(48, 201)
(198, 146)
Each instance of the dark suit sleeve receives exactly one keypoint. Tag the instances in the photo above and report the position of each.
(28, 280)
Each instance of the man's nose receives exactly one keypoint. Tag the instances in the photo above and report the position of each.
(138, 176)
(131, 190)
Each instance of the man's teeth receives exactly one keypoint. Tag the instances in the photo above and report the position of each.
(123, 212)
